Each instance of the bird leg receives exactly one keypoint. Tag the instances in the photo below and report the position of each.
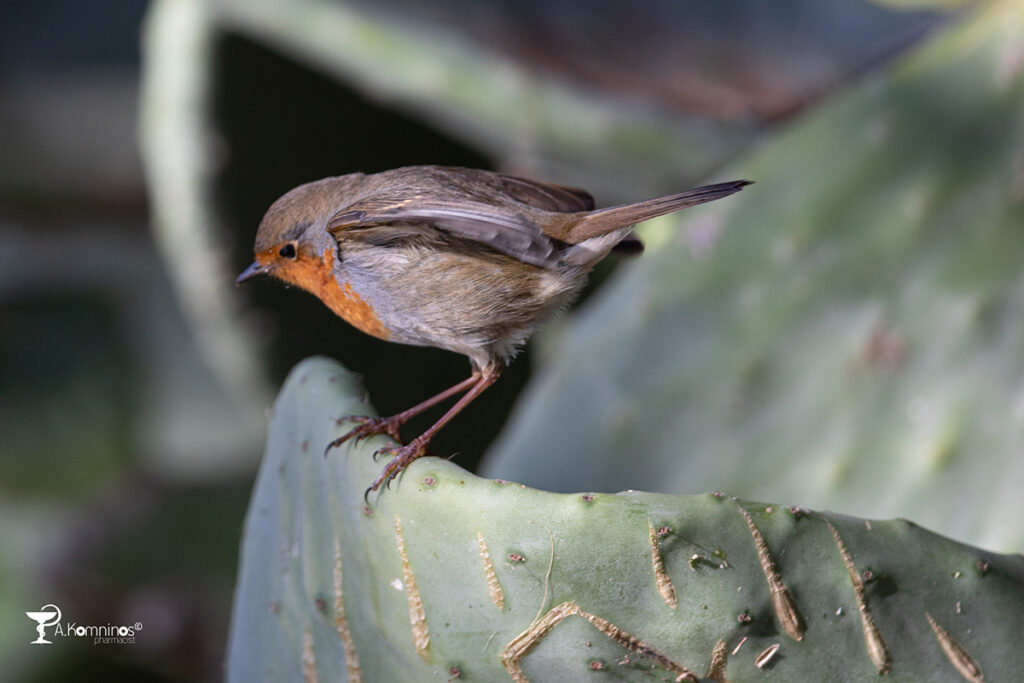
(371, 426)
(403, 455)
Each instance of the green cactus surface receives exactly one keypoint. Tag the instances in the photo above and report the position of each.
(847, 332)
(450, 576)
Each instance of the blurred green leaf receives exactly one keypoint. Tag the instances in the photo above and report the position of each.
(847, 333)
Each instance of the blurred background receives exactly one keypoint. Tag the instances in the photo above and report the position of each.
(853, 340)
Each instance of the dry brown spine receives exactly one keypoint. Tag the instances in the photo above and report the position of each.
(955, 653)
(877, 650)
(417, 616)
(355, 672)
(782, 600)
(520, 646)
(493, 585)
(661, 577)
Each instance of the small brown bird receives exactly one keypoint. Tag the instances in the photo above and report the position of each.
(460, 259)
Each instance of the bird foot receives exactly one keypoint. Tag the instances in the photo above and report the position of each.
(367, 427)
(403, 455)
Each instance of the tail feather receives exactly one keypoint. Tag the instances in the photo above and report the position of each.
(603, 221)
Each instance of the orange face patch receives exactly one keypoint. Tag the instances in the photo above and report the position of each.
(316, 276)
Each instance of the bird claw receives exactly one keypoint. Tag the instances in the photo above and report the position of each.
(403, 455)
(367, 426)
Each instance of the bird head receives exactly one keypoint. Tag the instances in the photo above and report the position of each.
(292, 238)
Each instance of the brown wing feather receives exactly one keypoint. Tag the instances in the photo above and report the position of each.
(604, 221)
(506, 213)
(547, 196)
(528, 220)
(512, 234)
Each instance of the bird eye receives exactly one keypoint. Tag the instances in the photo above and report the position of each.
(288, 250)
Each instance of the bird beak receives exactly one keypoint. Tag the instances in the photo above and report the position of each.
(255, 270)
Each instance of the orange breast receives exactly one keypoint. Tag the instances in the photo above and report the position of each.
(317, 277)
(354, 309)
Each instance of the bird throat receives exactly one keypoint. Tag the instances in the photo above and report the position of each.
(318, 277)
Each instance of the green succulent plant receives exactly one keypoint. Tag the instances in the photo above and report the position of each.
(448, 575)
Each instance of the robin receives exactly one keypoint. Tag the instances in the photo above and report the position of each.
(461, 259)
